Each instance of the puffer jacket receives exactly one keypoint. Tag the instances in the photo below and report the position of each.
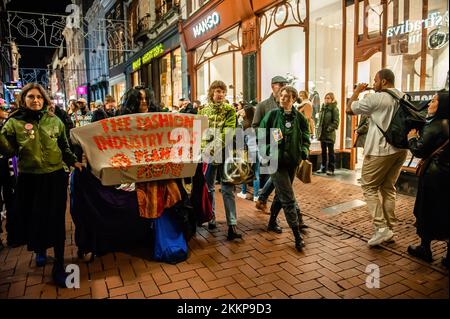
(328, 123)
(221, 116)
(38, 139)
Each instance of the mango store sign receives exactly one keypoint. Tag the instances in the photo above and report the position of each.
(435, 19)
(142, 147)
(209, 23)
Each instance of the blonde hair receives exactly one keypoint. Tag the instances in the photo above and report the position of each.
(331, 95)
(305, 93)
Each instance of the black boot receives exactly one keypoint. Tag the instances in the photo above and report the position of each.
(445, 260)
(232, 234)
(301, 224)
(273, 224)
(59, 275)
(421, 252)
(299, 243)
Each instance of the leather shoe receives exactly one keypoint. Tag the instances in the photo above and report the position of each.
(420, 252)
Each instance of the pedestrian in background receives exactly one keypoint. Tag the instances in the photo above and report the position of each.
(431, 208)
(38, 138)
(305, 107)
(326, 133)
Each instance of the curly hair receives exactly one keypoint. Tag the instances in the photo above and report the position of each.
(213, 86)
(291, 90)
(131, 101)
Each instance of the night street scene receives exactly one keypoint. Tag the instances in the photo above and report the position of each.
(232, 157)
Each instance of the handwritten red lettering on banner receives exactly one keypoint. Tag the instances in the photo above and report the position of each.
(143, 145)
(120, 161)
(157, 170)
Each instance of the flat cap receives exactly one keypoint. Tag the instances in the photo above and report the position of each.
(279, 79)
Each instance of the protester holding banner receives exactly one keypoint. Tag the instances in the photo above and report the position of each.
(221, 117)
(39, 140)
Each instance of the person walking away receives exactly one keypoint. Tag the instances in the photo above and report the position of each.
(328, 124)
(38, 138)
(431, 208)
(382, 161)
(291, 131)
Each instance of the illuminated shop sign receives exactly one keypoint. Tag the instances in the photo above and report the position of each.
(148, 56)
(436, 39)
(136, 64)
(207, 24)
(153, 53)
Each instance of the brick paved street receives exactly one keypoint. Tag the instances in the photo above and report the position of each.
(263, 265)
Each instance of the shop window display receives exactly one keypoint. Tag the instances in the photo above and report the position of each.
(325, 53)
(220, 59)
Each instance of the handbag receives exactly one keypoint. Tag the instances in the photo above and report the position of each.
(304, 171)
(420, 168)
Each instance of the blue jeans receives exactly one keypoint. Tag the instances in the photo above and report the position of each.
(266, 191)
(227, 194)
(255, 181)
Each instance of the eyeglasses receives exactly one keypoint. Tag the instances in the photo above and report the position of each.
(32, 97)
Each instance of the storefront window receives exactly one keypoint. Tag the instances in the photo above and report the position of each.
(325, 55)
(283, 53)
(165, 81)
(135, 79)
(176, 76)
(220, 59)
(418, 66)
(349, 56)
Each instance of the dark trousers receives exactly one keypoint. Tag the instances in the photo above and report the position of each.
(328, 156)
(284, 195)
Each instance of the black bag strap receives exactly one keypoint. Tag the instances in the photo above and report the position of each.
(397, 98)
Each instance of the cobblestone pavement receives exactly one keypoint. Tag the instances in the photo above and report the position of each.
(262, 265)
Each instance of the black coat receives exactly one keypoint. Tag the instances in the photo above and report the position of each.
(432, 207)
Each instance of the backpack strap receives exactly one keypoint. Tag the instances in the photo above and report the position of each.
(397, 98)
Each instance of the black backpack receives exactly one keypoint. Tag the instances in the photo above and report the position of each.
(405, 118)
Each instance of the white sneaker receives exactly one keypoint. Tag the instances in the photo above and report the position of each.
(380, 236)
(241, 195)
(255, 198)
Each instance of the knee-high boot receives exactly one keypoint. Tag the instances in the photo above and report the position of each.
(273, 224)
(299, 243)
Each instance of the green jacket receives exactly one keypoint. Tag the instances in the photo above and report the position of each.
(328, 123)
(294, 146)
(220, 116)
(39, 140)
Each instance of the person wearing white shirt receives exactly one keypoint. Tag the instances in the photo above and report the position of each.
(382, 161)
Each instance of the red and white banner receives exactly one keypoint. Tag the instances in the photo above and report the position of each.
(142, 147)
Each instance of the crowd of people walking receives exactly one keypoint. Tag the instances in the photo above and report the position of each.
(36, 136)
